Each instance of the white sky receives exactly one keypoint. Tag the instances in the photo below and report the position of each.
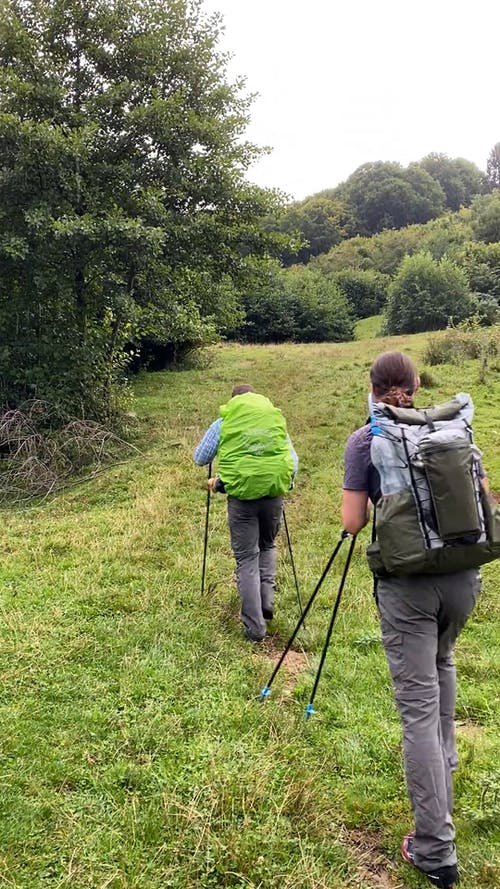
(343, 83)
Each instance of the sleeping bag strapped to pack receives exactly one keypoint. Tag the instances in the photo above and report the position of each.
(254, 458)
(434, 516)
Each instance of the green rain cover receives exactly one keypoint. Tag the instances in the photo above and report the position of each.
(254, 458)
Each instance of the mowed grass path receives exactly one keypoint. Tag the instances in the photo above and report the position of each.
(133, 751)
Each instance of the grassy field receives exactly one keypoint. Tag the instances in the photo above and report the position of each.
(367, 328)
(134, 752)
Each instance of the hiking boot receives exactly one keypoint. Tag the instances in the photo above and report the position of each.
(443, 877)
(267, 613)
(252, 640)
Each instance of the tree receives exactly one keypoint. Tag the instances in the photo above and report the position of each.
(384, 195)
(481, 263)
(425, 294)
(295, 304)
(460, 179)
(429, 198)
(486, 218)
(321, 311)
(124, 213)
(318, 222)
(365, 291)
(493, 167)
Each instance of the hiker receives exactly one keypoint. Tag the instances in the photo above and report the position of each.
(256, 465)
(421, 614)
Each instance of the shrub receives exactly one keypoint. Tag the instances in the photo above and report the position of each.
(268, 309)
(366, 291)
(41, 450)
(486, 217)
(467, 340)
(426, 294)
(427, 381)
(270, 318)
(321, 311)
(296, 304)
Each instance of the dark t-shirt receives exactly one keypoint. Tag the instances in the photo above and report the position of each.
(359, 471)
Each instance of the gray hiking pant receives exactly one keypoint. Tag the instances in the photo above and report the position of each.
(253, 526)
(421, 618)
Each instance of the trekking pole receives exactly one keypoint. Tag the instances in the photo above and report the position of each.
(266, 691)
(309, 709)
(205, 545)
(293, 562)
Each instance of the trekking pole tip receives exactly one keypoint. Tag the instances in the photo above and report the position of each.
(266, 691)
(309, 711)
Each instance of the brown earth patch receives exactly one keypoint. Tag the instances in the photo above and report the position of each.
(470, 730)
(373, 867)
(293, 664)
(274, 643)
(295, 661)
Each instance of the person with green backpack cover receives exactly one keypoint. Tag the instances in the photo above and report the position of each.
(436, 523)
(256, 466)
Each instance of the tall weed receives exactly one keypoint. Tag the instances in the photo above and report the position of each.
(461, 342)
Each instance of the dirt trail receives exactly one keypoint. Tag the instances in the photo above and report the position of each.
(294, 663)
(372, 862)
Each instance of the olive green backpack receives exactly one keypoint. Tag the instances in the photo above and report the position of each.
(434, 516)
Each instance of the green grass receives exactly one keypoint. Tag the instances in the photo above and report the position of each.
(368, 328)
(134, 752)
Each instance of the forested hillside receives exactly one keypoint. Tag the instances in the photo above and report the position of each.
(445, 213)
(131, 234)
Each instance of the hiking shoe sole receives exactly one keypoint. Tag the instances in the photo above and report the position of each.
(443, 877)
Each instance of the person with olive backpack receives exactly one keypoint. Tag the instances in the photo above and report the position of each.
(436, 523)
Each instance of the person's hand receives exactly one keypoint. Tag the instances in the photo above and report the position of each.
(211, 484)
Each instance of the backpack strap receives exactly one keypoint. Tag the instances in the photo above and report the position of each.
(413, 417)
(430, 421)
(374, 537)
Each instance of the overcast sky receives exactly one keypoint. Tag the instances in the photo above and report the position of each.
(342, 83)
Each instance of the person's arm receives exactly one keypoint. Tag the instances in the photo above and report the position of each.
(356, 486)
(206, 450)
(355, 510)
